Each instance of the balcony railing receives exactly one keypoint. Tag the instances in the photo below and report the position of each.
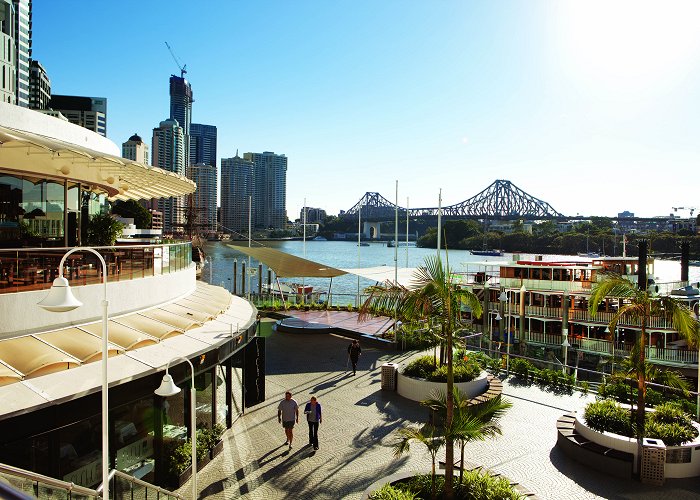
(24, 269)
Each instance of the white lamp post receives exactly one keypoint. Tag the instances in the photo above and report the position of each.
(497, 318)
(503, 298)
(61, 299)
(565, 344)
(168, 388)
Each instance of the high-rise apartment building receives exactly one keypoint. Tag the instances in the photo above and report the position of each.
(137, 150)
(8, 68)
(23, 49)
(204, 198)
(88, 112)
(168, 151)
(202, 144)
(313, 215)
(39, 86)
(181, 100)
(270, 186)
(237, 176)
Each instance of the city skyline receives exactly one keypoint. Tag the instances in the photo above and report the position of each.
(583, 105)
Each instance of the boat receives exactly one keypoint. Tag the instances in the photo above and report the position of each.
(589, 255)
(319, 238)
(390, 244)
(363, 244)
(533, 295)
(487, 253)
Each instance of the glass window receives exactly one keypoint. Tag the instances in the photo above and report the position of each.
(133, 424)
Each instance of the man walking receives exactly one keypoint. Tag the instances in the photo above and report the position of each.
(287, 415)
(354, 352)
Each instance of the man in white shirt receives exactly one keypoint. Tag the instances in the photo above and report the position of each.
(288, 415)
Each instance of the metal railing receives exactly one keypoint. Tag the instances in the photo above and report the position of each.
(122, 486)
(24, 269)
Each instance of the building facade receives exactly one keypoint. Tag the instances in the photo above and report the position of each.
(181, 99)
(23, 49)
(204, 198)
(8, 69)
(237, 187)
(39, 86)
(313, 215)
(203, 144)
(270, 190)
(168, 152)
(88, 112)
(137, 150)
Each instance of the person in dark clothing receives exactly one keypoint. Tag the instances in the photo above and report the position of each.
(313, 417)
(354, 352)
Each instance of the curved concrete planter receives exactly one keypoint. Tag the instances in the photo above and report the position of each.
(418, 389)
(689, 452)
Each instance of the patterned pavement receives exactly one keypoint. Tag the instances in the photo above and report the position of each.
(356, 435)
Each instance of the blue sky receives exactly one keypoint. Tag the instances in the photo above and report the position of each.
(591, 106)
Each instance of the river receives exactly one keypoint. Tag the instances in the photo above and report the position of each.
(346, 254)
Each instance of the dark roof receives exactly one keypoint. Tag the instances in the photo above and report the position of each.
(135, 138)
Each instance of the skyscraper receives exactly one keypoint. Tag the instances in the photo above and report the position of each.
(23, 49)
(181, 100)
(88, 112)
(236, 187)
(204, 198)
(168, 150)
(137, 150)
(203, 144)
(8, 68)
(270, 189)
(203, 154)
(39, 86)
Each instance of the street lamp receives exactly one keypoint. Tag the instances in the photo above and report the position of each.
(565, 345)
(168, 388)
(61, 299)
(497, 318)
(504, 297)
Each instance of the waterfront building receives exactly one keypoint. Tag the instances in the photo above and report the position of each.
(204, 198)
(313, 215)
(270, 190)
(237, 187)
(137, 150)
(168, 150)
(39, 86)
(8, 69)
(22, 10)
(88, 112)
(50, 374)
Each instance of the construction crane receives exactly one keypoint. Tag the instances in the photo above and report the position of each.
(181, 67)
(691, 209)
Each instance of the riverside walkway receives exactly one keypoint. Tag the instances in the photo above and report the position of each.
(356, 435)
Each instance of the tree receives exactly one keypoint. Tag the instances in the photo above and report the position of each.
(103, 230)
(432, 295)
(639, 307)
(132, 209)
(470, 422)
(432, 442)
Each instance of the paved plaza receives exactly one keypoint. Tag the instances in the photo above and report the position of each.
(357, 431)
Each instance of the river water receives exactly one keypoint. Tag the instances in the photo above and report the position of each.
(346, 254)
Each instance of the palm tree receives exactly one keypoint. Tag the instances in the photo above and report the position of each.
(429, 439)
(471, 422)
(433, 294)
(639, 306)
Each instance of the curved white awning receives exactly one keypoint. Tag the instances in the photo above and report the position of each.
(121, 178)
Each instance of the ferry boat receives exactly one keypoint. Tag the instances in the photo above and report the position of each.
(487, 253)
(539, 300)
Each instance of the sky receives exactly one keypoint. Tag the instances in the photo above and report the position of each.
(591, 106)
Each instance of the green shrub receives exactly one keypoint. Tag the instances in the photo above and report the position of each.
(421, 367)
(389, 492)
(463, 372)
(475, 485)
(670, 424)
(585, 387)
(522, 368)
(608, 416)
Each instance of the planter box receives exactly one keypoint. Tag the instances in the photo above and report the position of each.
(218, 448)
(417, 389)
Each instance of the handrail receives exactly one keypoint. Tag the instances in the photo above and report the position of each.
(103, 247)
(138, 482)
(56, 483)
(82, 490)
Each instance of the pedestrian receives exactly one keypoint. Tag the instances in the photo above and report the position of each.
(287, 415)
(354, 352)
(312, 410)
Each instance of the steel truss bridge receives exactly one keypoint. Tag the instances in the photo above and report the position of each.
(501, 200)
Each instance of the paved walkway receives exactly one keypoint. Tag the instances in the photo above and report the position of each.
(356, 435)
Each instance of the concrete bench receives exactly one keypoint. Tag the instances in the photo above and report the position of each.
(601, 458)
